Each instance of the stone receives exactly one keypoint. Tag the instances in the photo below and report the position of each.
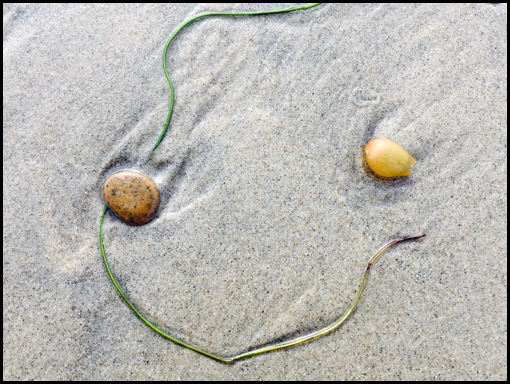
(389, 159)
(133, 197)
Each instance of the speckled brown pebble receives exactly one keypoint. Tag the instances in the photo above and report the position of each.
(131, 196)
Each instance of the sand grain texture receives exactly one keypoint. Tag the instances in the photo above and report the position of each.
(268, 214)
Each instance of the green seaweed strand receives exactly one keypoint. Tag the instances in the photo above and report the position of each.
(268, 348)
(133, 307)
(273, 347)
(172, 93)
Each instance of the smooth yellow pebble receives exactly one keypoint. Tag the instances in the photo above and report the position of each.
(389, 159)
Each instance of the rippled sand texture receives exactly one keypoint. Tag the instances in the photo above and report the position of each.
(268, 213)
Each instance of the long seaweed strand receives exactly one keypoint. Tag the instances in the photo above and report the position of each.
(268, 348)
(298, 340)
(172, 93)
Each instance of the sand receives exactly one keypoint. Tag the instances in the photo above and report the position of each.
(268, 213)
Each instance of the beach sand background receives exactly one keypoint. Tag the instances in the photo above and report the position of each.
(268, 214)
